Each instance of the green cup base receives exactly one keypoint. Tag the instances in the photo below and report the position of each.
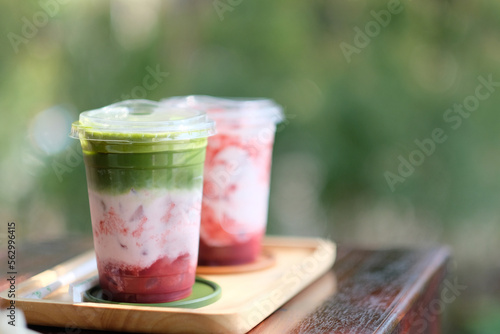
(204, 293)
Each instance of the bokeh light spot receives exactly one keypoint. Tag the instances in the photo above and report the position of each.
(49, 130)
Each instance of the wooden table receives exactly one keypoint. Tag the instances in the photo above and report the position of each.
(375, 291)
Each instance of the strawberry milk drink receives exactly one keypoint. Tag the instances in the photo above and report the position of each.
(144, 165)
(236, 177)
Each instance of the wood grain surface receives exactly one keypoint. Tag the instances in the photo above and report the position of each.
(380, 291)
(367, 291)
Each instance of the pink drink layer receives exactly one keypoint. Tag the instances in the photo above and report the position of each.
(144, 243)
(235, 194)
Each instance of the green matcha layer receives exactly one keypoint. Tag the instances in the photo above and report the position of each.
(116, 168)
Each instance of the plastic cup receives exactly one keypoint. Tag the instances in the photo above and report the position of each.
(144, 166)
(236, 177)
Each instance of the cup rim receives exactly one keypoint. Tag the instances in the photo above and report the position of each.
(142, 120)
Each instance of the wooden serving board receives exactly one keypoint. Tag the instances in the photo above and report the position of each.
(247, 297)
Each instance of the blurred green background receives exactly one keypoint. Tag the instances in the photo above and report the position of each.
(360, 81)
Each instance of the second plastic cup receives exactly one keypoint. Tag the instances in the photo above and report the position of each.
(144, 165)
(236, 177)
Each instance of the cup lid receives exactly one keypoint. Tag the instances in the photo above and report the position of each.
(251, 110)
(143, 121)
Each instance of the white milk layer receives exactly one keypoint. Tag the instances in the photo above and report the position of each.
(142, 226)
(239, 200)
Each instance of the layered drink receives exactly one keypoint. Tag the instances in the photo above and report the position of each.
(236, 177)
(144, 165)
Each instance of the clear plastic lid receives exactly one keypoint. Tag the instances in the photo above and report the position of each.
(143, 121)
(249, 111)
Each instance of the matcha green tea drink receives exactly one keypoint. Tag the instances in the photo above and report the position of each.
(144, 165)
